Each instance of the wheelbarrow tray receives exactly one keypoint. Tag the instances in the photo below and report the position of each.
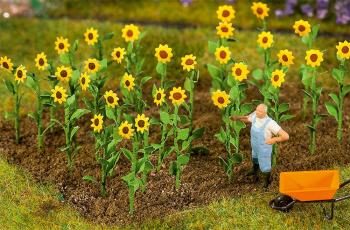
(310, 185)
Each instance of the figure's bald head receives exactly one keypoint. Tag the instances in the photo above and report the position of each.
(261, 111)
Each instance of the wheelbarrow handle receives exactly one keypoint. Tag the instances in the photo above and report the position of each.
(344, 183)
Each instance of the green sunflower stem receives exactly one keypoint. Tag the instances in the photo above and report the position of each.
(340, 118)
(17, 121)
(39, 119)
(228, 145)
(191, 110)
(177, 151)
(314, 113)
(161, 149)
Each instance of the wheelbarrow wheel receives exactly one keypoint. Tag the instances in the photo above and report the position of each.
(282, 203)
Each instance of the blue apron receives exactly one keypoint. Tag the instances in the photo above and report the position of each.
(261, 152)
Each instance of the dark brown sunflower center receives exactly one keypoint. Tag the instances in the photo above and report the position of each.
(92, 66)
(189, 62)
(177, 96)
(163, 54)
(58, 95)
(238, 72)
(265, 40)
(313, 57)
(129, 33)
(19, 74)
(222, 54)
(110, 99)
(64, 73)
(83, 81)
(345, 49)
(96, 122)
(90, 36)
(127, 83)
(159, 96)
(260, 11)
(301, 28)
(61, 46)
(125, 130)
(276, 78)
(225, 13)
(285, 58)
(221, 100)
(117, 54)
(141, 123)
(5, 65)
(41, 62)
(224, 29)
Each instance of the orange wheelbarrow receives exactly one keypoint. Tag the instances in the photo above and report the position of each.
(309, 186)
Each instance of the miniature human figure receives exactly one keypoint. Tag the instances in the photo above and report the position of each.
(264, 133)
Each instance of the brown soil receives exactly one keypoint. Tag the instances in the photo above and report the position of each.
(203, 179)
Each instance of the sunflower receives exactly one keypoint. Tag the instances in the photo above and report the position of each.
(225, 13)
(62, 45)
(285, 57)
(92, 65)
(225, 30)
(314, 58)
(277, 78)
(130, 33)
(125, 130)
(128, 81)
(84, 81)
(220, 99)
(240, 71)
(118, 54)
(343, 50)
(265, 40)
(59, 94)
(97, 123)
(21, 74)
(41, 61)
(163, 53)
(302, 28)
(159, 97)
(6, 63)
(142, 123)
(91, 36)
(111, 99)
(188, 62)
(222, 54)
(177, 96)
(63, 73)
(260, 10)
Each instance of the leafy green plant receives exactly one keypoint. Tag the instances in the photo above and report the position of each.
(181, 134)
(106, 152)
(231, 106)
(140, 166)
(13, 86)
(71, 115)
(336, 107)
(309, 72)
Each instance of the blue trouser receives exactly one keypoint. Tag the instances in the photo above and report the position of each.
(261, 152)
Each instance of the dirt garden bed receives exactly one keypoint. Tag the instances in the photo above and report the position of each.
(203, 179)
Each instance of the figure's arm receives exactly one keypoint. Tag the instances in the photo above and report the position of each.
(245, 119)
(282, 136)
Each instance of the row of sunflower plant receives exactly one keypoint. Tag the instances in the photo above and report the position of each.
(120, 126)
(229, 80)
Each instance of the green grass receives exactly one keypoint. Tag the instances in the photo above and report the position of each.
(200, 13)
(27, 205)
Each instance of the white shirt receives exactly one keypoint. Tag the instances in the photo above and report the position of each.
(272, 128)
